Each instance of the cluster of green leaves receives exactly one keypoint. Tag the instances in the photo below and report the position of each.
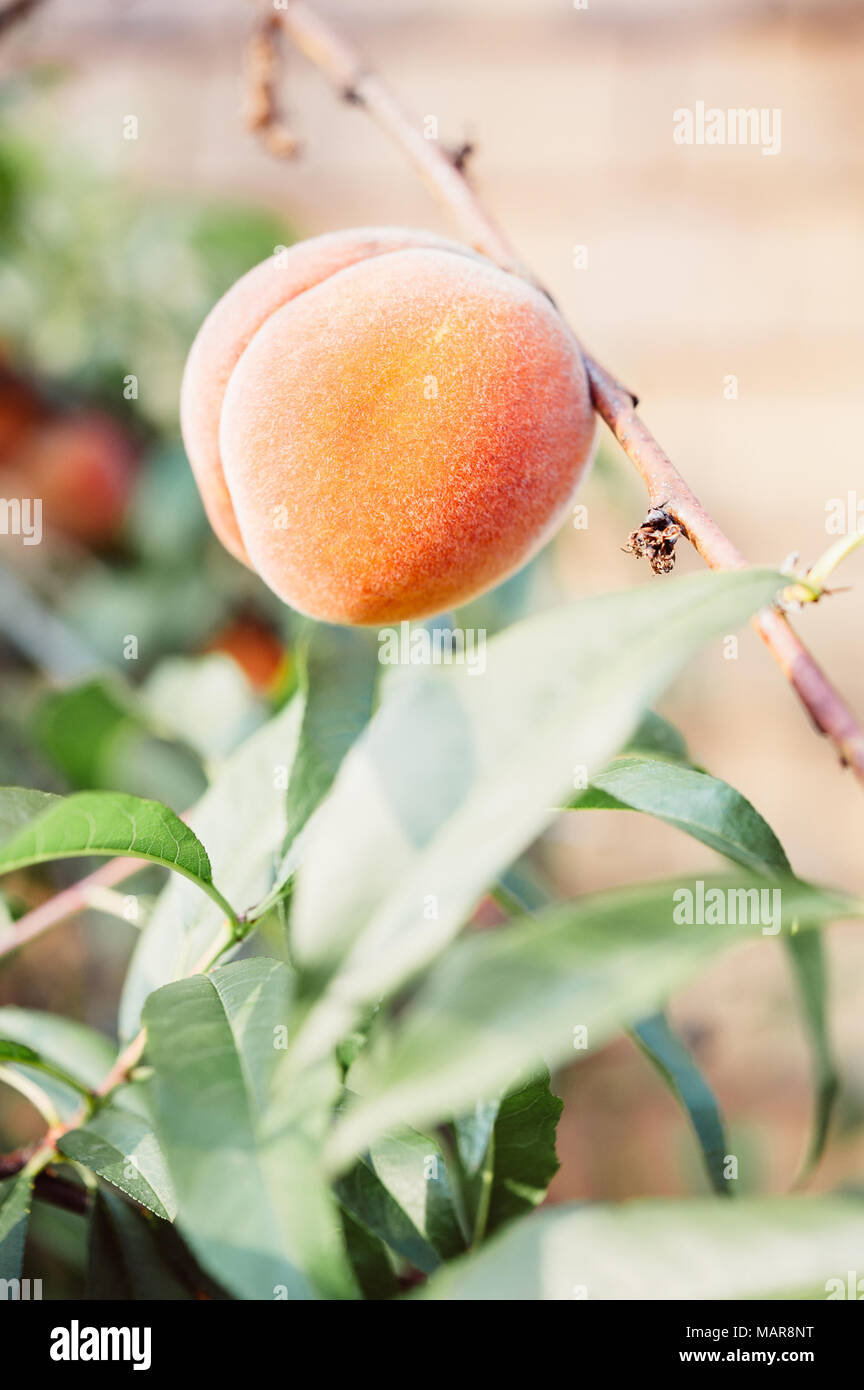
(365, 1103)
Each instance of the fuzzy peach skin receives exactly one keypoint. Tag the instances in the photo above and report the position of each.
(229, 328)
(395, 438)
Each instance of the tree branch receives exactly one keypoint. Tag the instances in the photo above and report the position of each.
(263, 114)
(39, 1155)
(71, 1196)
(356, 83)
(67, 903)
(15, 12)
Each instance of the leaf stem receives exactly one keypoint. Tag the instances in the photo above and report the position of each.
(76, 898)
(833, 556)
(484, 1200)
(38, 1098)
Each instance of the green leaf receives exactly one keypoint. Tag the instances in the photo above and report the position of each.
(762, 1248)
(110, 823)
(499, 1001)
(23, 1055)
(338, 671)
(523, 1146)
(473, 1133)
(121, 1147)
(655, 737)
(242, 1137)
(672, 1059)
(714, 813)
(400, 1191)
(807, 958)
(124, 1258)
(369, 1260)
(81, 1051)
(458, 772)
(97, 735)
(19, 806)
(241, 819)
(75, 727)
(507, 1153)
(72, 1048)
(16, 1196)
(17, 1052)
(702, 806)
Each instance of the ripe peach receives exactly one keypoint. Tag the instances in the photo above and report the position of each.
(83, 467)
(384, 424)
(256, 650)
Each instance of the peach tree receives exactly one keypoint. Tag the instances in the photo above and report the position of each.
(330, 1082)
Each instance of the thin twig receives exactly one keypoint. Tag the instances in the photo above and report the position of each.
(14, 12)
(263, 113)
(119, 1072)
(354, 82)
(71, 1196)
(67, 903)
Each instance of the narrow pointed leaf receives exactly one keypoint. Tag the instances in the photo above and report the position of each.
(704, 807)
(241, 819)
(703, 1250)
(16, 1196)
(338, 675)
(717, 815)
(507, 1152)
(500, 1001)
(671, 1058)
(369, 1260)
(241, 1139)
(459, 772)
(400, 1191)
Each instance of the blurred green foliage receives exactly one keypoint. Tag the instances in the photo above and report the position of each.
(99, 281)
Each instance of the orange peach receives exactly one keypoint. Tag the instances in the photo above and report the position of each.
(83, 467)
(256, 650)
(385, 424)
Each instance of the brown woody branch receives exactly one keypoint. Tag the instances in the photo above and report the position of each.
(15, 12)
(263, 114)
(355, 82)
